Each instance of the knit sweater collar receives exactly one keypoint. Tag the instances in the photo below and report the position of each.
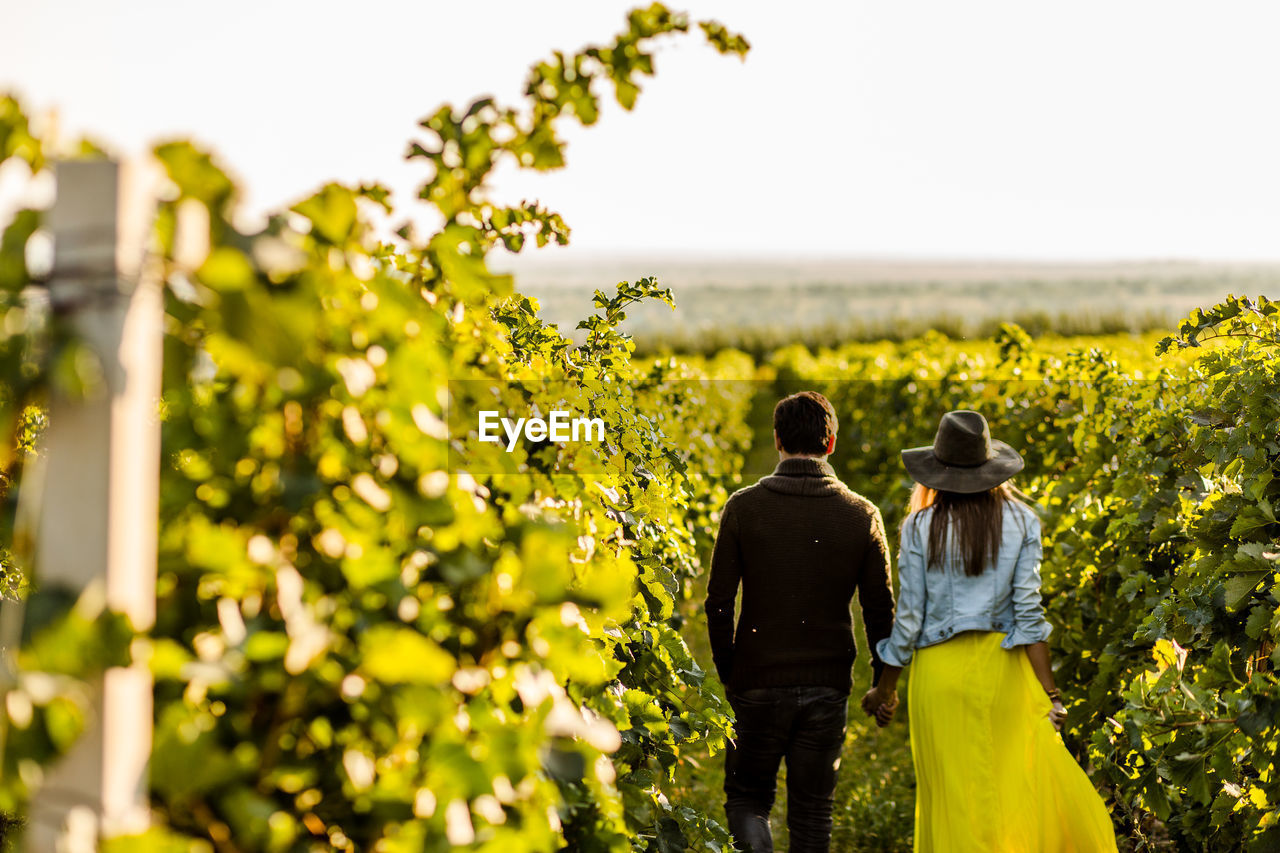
(803, 476)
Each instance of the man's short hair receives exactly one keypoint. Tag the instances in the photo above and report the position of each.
(805, 423)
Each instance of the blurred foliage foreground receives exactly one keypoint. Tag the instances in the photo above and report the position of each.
(360, 647)
(357, 647)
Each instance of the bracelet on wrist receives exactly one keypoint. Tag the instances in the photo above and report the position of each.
(1054, 694)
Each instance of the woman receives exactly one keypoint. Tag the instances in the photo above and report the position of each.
(991, 772)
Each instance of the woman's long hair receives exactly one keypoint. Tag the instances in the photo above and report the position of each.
(970, 524)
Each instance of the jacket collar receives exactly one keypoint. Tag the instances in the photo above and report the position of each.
(802, 475)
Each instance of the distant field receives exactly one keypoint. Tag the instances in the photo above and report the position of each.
(760, 304)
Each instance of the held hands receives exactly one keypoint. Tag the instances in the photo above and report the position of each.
(880, 704)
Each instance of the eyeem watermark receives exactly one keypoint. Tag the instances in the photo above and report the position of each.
(560, 427)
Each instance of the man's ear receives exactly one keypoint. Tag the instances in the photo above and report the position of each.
(777, 442)
(831, 445)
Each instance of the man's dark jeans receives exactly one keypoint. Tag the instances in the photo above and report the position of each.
(805, 726)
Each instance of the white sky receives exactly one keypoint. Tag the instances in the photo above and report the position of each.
(989, 128)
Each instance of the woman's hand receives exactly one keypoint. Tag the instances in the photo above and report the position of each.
(884, 714)
(881, 704)
(1057, 715)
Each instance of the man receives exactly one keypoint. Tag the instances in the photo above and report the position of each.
(800, 543)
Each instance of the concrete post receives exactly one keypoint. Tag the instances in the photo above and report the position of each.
(98, 515)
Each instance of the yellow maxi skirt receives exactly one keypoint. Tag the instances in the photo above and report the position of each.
(991, 772)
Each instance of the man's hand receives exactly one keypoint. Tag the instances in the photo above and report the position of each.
(881, 705)
(871, 701)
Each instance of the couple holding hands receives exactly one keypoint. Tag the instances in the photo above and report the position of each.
(991, 772)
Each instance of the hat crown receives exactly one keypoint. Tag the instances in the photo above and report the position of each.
(964, 458)
(963, 439)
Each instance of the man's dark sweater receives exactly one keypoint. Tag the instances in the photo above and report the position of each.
(801, 543)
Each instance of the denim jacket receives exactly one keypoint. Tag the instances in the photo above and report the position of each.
(934, 606)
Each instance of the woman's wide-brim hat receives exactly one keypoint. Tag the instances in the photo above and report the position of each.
(963, 458)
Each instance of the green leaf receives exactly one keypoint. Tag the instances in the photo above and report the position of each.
(227, 270)
(196, 175)
(394, 655)
(332, 212)
(1240, 587)
(1259, 619)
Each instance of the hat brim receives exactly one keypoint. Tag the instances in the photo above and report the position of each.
(927, 470)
